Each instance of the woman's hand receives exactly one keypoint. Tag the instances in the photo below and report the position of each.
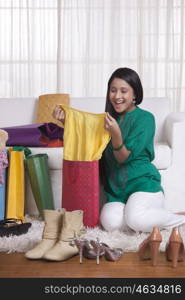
(59, 114)
(112, 126)
(116, 137)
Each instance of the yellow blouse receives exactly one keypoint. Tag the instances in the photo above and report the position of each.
(85, 137)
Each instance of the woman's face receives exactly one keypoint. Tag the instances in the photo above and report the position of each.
(121, 96)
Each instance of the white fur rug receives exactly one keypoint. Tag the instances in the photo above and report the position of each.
(129, 241)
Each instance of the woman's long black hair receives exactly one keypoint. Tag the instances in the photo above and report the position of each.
(132, 78)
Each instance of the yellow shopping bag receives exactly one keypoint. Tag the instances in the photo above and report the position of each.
(15, 201)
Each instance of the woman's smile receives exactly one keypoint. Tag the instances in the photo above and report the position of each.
(118, 104)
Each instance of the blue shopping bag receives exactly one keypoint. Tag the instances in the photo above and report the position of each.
(3, 196)
(3, 166)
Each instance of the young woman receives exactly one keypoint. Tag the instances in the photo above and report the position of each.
(132, 184)
(135, 197)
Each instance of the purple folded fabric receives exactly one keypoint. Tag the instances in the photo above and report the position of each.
(30, 135)
(52, 131)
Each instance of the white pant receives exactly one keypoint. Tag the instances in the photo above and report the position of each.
(142, 212)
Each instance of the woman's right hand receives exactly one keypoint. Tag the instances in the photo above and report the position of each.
(112, 126)
(59, 114)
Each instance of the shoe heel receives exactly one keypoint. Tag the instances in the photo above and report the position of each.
(175, 247)
(154, 248)
(80, 245)
(81, 255)
(98, 257)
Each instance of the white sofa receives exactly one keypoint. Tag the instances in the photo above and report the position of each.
(169, 144)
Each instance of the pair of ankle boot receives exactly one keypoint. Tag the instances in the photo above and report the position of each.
(174, 251)
(61, 227)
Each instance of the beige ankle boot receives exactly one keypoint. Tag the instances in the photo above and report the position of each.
(72, 227)
(53, 222)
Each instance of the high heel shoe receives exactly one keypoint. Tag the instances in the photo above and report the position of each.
(111, 254)
(175, 248)
(86, 250)
(149, 248)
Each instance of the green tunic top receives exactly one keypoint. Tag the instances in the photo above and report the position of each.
(136, 173)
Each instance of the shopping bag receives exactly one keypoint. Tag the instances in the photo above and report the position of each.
(3, 195)
(40, 181)
(9, 227)
(80, 189)
(3, 167)
(46, 105)
(15, 201)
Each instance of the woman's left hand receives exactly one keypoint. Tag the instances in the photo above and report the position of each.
(111, 125)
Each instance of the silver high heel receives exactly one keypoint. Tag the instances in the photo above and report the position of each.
(86, 249)
(111, 254)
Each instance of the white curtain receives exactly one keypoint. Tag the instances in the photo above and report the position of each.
(73, 46)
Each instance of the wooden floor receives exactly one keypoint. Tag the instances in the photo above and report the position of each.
(129, 266)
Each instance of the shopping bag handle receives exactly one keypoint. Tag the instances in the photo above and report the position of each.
(10, 220)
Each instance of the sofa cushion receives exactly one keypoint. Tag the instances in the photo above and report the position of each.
(163, 156)
(162, 159)
(17, 111)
